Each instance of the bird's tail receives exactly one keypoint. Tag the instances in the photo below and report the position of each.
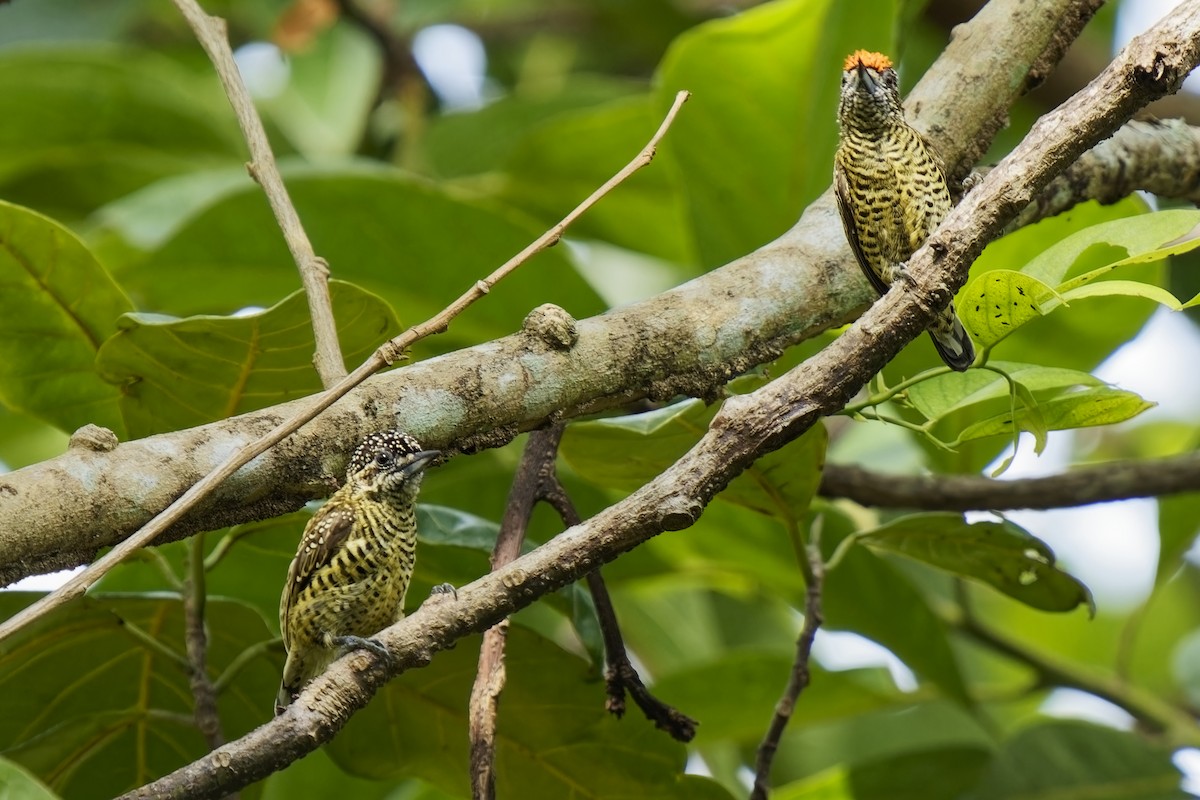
(952, 341)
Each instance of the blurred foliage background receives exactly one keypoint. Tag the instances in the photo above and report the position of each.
(147, 289)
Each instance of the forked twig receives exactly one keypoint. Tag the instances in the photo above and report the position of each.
(385, 355)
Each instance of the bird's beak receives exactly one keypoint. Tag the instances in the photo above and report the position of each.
(865, 81)
(420, 461)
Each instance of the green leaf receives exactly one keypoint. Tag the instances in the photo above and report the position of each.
(1000, 554)
(1144, 238)
(57, 305)
(179, 373)
(84, 126)
(742, 716)
(1087, 408)
(832, 784)
(468, 143)
(1076, 759)
(93, 711)
(940, 774)
(17, 783)
(998, 302)
(416, 246)
(325, 107)
(560, 163)
(942, 395)
(1088, 333)
(755, 143)
(1178, 527)
(554, 738)
(627, 452)
(1118, 288)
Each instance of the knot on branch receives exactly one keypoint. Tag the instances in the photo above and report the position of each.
(552, 325)
(93, 437)
(678, 513)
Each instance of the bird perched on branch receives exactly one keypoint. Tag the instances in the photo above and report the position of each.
(891, 188)
(352, 569)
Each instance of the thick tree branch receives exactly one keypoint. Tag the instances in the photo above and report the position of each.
(1161, 157)
(746, 427)
(690, 340)
(1080, 487)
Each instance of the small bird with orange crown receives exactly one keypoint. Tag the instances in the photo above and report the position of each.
(891, 188)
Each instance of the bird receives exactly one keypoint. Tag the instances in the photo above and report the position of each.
(354, 561)
(891, 188)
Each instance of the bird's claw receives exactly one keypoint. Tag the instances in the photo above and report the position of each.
(442, 589)
(348, 643)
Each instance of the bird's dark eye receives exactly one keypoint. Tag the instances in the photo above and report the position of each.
(384, 458)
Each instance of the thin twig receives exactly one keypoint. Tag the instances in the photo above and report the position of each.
(204, 695)
(801, 675)
(213, 35)
(385, 355)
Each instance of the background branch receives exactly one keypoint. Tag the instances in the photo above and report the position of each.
(1096, 484)
(213, 35)
(746, 427)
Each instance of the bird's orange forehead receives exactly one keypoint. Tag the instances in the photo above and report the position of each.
(870, 60)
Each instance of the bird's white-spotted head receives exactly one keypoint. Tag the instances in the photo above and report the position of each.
(870, 92)
(389, 462)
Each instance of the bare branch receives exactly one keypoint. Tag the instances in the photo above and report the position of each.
(1095, 484)
(314, 271)
(311, 407)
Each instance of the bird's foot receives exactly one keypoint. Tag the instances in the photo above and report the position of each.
(442, 589)
(347, 643)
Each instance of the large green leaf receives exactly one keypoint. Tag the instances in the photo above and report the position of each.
(755, 143)
(554, 738)
(1076, 759)
(93, 711)
(325, 106)
(558, 164)
(743, 715)
(17, 783)
(415, 245)
(468, 143)
(938, 774)
(179, 373)
(57, 305)
(1000, 554)
(1100, 405)
(83, 126)
(942, 395)
(1149, 237)
(1177, 531)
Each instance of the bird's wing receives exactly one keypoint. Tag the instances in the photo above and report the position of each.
(842, 192)
(323, 536)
